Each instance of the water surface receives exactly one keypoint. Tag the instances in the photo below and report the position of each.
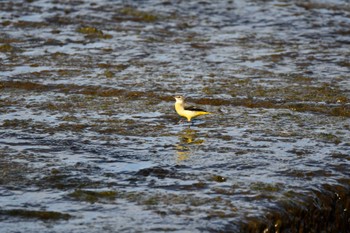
(90, 141)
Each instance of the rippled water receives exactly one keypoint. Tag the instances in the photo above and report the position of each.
(90, 141)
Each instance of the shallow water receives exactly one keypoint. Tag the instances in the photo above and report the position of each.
(90, 141)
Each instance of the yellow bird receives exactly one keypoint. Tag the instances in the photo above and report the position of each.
(187, 112)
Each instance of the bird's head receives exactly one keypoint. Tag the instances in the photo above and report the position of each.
(179, 99)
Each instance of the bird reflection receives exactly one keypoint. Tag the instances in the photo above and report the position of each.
(188, 144)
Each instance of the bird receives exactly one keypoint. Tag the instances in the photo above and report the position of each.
(188, 112)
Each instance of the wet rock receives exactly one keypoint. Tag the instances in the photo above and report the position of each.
(324, 211)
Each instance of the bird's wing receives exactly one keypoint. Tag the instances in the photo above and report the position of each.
(193, 108)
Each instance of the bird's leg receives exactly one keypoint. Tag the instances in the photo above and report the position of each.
(180, 121)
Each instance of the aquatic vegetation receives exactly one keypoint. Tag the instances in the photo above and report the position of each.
(17, 123)
(93, 196)
(29, 24)
(116, 67)
(6, 48)
(108, 74)
(137, 15)
(259, 186)
(6, 23)
(329, 138)
(93, 32)
(41, 215)
(218, 178)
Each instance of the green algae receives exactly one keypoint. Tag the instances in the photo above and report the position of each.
(218, 178)
(93, 196)
(29, 24)
(315, 5)
(108, 74)
(114, 67)
(182, 204)
(23, 85)
(150, 201)
(93, 32)
(154, 201)
(6, 23)
(17, 123)
(63, 180)
(6, 48)
(13, 173)
(328, 137)
(137, 15)
(40, 215)
(340, 110)
(265, 187)
(222, 214)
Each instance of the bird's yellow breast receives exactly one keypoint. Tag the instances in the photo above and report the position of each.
(188, 113)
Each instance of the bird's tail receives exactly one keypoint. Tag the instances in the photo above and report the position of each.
(204, 113)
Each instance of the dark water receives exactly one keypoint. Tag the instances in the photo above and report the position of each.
(89, 140)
